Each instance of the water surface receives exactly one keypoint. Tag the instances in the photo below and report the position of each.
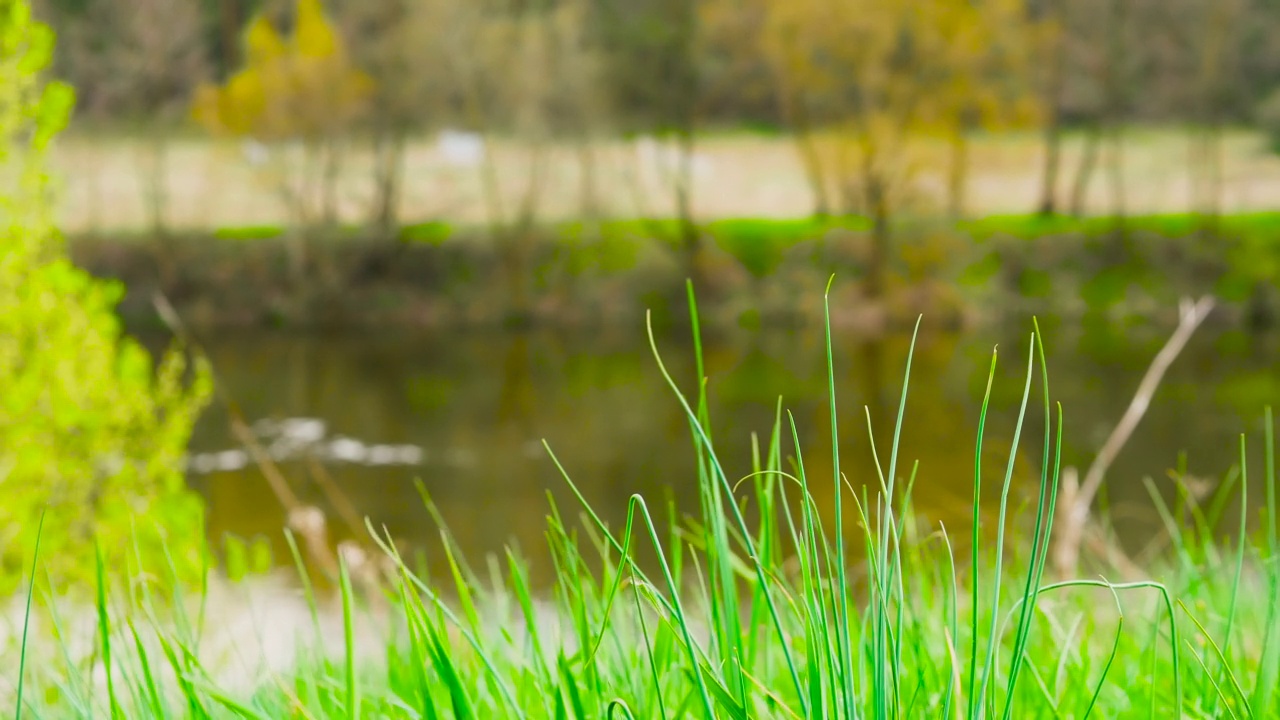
(358, 419)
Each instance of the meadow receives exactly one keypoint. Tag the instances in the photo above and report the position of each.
(760, 606)
(208, 184)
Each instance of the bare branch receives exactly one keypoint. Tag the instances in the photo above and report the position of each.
(1077, 497)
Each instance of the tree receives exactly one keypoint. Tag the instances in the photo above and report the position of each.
(144, 77)
(987, 53)
(865, 81)
(1053, 55)
(91, 435)
(655, 51)
(397, 42)
(299, 94)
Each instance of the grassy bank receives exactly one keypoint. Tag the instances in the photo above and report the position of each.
(750, 270)
(758, 607)
(207, 184)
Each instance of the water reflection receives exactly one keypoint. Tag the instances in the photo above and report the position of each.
(294, 439)
(466, 414)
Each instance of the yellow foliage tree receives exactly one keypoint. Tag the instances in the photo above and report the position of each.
(301, 88)
(864, 81)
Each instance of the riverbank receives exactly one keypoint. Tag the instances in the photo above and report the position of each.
(748, 271)
(736, 617)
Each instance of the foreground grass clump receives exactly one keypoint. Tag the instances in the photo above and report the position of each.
(767, 616)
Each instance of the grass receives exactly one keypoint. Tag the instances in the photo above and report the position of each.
(1263, 226)
(210, 184)
(758, 607)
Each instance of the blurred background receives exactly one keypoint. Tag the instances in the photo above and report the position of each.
(418, 237)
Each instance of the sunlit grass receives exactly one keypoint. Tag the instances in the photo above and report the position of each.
(209, 184)
(752, 609)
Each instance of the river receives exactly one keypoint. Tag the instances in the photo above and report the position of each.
(356, 420)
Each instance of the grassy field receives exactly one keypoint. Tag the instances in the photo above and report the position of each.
(212, 184)
(742, 614)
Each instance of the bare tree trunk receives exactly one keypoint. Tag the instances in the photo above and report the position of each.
(1113, 90)
(878, 263)
(1052, 158)
(1053, 123)
(520, 235)
(155, 180)
(690, 240)
(797, 115)
(330, 175)
(1116, 167)
(155, 196)
(958, 176)
(1206, 156)
(388, 173)
(1084, 172)
(588, 193)
(683, 117)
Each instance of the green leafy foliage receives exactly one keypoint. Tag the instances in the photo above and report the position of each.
(91, 433)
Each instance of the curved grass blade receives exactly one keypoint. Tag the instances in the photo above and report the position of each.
(992, 640)
(1111, 658)
(740, 521)
(1043, 529)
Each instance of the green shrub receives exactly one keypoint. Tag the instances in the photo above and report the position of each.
(91, 435)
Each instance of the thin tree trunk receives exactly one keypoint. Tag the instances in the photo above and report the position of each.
(1208, 138)
(878, 263)
(388, 176)
(155, 191)
(331, 173)
(588, 194)
(797, 114)
(957, 180)
(1053, 123)
(1113, 113)
(1116, 167)
(689, 237)
(155, 181)
(1052, 158)
(1084, 172)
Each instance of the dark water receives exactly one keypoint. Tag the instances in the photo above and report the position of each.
(466, 413)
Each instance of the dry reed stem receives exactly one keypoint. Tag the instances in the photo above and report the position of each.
(1077, 497)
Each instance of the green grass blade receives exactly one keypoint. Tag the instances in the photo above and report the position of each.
(1222, 660)
(1266, 682)
(104, 631)
(993, 639)
(26, 618)
(976, 559)
(349, 640)
(1111, 657)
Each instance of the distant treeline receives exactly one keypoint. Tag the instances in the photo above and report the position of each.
(864, 89)
(1150, 60)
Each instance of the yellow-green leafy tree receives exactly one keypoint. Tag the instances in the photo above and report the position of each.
(988, 51)
(302, 88)
(92, 434)
(866, 83)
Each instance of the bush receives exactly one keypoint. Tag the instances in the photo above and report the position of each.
(91, 435)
